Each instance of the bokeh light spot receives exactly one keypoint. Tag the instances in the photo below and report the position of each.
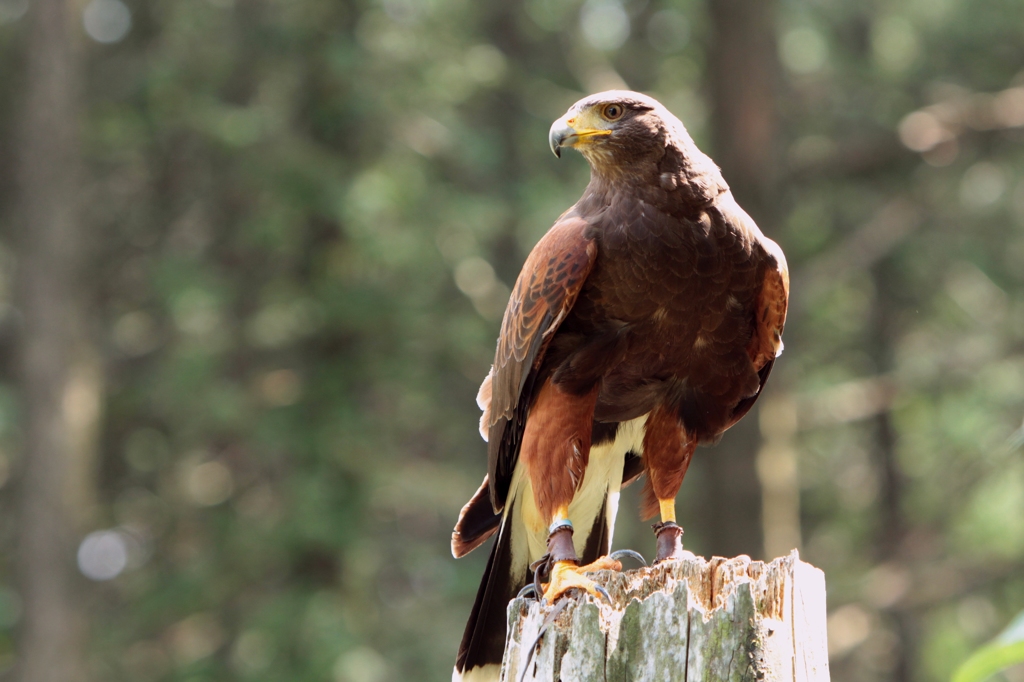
(977, 616)
(983, 185)
(135, 333)
(208, 484)
(195, 638)
(922, 130)
(1008, 107)
(361, 664)
(196, 312)
(895, 44)
(803, 50)
(280, 387)
(485, 64)
(605, 24)
(107, 21)
(103, 555)
(848, 627)
(426, 136)
(476, 279)
(474, 276)
(251, 652)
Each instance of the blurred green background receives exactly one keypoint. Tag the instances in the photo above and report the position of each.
(254, 253)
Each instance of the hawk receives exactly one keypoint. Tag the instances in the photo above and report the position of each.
(645, 322)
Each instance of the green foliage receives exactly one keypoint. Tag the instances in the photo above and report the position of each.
(303, 218)
(1005, 651)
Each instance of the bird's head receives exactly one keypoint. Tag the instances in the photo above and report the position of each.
(616, 131)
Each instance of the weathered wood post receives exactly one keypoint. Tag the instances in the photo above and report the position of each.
(732, 620)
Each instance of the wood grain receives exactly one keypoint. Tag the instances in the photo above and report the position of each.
(716, 620)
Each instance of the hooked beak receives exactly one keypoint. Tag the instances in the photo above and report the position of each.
(572, 129)
(560, 132)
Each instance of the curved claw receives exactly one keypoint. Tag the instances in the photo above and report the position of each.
(541, 570)
(604, 594)
(539, 574)
(619, 553)
(532, 588)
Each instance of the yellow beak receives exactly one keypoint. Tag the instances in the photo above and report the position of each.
(572, 129)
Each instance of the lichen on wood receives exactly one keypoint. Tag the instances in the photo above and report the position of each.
(695, 620)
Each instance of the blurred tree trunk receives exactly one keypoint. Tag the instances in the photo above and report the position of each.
(50, 643)
(743, 89)
(891, 523)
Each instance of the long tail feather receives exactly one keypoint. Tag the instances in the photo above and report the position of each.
(477, 522)
(483, 642)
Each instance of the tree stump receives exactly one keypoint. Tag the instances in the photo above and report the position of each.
(732, 620)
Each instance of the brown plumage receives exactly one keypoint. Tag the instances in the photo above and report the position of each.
(645, 322)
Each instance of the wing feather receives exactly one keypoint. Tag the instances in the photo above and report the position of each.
(545, 292)
(772, 304)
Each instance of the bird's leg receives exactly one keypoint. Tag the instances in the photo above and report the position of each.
(668, 532)
(555, 451)
(667, 453)
(564, 570)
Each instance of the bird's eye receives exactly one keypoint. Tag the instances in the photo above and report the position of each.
(612, 111)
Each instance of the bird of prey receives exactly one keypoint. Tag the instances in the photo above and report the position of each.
(645, 322)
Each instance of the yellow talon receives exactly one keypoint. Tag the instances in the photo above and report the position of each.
(565, 575)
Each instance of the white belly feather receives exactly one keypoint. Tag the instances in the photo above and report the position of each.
(601, 482)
